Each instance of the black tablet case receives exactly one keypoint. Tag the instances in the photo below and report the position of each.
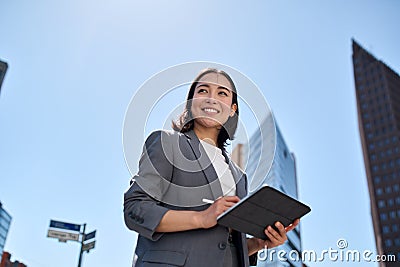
(264, 207)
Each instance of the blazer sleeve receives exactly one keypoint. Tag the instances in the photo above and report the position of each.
(142, 202)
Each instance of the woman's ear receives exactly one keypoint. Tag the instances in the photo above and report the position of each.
(233, 110)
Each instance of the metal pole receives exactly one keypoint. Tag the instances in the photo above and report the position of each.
(81, 252)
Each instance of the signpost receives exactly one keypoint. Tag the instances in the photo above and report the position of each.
(63, 235)
(72, 233)
(66, 226)
(88, 246)
(90, 235)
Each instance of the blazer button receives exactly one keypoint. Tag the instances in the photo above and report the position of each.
(222, 245)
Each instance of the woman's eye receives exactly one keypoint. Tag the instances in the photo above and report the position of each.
(202, 90)
(223, 93)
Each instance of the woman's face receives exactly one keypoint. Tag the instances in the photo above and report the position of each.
(212, 100)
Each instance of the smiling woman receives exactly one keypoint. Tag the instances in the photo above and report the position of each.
(178, 170)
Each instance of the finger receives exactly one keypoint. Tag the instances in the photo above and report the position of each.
(273, 240)
(228, 205)
(233, 199)
(280, 228)
(280, 235)
(292, 225)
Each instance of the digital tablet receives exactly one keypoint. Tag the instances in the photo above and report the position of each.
(264, 207)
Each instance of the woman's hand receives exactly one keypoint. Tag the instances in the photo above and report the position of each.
(275, 237)
(208, 217)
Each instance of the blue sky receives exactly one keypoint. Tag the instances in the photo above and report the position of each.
(74, 66)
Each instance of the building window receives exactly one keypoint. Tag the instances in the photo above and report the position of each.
(370, 136)
(395, 228)
(379, 192)
(377, 180)
(383, 216)
(392, 215)
(387, 141)
(375, 168)
(391, 163)
(371, 146)
(397, 200)
(385, 229)
(381, 203)
(390, 202)
(396, 188)
(388, 190)
(388, 243)
(397, 242)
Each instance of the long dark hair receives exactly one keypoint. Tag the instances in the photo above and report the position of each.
(185, 121)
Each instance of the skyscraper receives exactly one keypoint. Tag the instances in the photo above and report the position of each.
(3, 69)
(378, 107)
(5, 221)
(281, 175)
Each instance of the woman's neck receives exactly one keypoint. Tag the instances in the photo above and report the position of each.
(207, 134)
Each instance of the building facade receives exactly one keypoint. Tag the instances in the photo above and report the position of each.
(378, 106)
(6, 261)
(281, 174)
(5, 221)
(3, 69)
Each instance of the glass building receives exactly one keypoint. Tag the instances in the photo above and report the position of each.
(378, 107)
(5, 221)
(281, 175)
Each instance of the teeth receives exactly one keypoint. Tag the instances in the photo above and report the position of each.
(211, 110)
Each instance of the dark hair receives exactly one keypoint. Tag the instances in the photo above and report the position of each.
(185, 122)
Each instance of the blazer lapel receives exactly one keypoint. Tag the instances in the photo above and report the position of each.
(205, 164)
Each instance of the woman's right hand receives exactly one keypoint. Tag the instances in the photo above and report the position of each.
(208, 217)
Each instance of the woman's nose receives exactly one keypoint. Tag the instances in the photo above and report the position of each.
(212, 97)
(211, 100)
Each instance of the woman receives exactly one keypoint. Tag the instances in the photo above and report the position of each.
(181, 169)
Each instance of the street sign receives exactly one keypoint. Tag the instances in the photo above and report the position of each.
(64, 225)
(89, 235)
(88, 246)
(63, 236)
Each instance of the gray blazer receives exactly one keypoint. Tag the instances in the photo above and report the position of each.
(175, 173)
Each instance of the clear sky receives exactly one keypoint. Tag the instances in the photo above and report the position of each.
(74, 66)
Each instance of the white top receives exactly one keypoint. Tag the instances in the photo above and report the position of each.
(222, 169)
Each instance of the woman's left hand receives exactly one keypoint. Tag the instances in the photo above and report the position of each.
(275, 237)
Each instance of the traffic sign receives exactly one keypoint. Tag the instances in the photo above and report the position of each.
(63, 236)
(64, 225)
(88, 246)
(89, 235)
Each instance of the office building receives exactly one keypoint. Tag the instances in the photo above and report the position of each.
(281, 175)
(377, 89)
(6, 261)
(5, 221)
(3, 69)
